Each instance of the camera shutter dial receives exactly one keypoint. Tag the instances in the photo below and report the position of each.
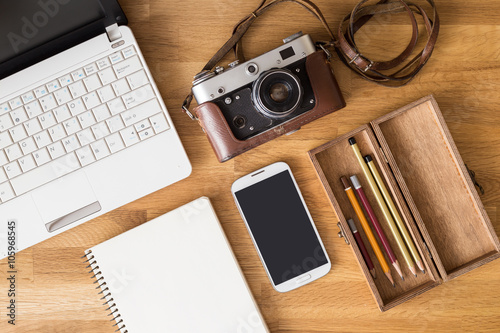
(251, 69)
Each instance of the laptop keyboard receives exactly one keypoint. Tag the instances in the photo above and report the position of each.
(75, 120)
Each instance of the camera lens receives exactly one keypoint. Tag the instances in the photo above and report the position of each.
(277, 93)
(239, 121)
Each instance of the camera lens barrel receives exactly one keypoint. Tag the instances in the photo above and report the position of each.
(277, 93)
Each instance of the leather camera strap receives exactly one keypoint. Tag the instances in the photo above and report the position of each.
(345, 45)
(372, 70)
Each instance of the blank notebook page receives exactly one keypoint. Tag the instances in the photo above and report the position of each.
(176, 273)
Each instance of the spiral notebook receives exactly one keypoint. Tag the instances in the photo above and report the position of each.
(176, 273)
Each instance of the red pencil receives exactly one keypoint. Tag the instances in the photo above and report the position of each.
(362, 247)
(375, 223)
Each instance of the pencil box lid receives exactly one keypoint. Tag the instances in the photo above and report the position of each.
(437, 187)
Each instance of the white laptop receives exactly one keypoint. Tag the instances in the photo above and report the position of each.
(83, 128)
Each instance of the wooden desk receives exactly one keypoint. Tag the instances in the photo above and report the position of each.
(55, 293)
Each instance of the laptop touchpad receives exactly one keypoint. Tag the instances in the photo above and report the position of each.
(66, 200)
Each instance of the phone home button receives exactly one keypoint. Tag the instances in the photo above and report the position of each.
(304, 278)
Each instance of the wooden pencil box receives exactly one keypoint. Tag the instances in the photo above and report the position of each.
(431, 187)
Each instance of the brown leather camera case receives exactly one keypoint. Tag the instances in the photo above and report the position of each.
(328, 99)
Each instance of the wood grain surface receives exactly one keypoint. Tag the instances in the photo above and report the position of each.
(55, 293)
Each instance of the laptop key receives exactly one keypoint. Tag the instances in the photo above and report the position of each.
(100, 149)
(47, 120)
(78, 75)
(15, 103)
(41, 156)
(27, 163)
(6, 192)
(129, 52)
(4, 108)
(159, 122)
(33, 109)
(19, 116)
(42, 139)
(116, 57)
(5, 140)
(53, 86)
(103, 63)
(137, 79)
(62, 96)
(5, 122)
(85, 155)
(129, 136)
(90, 69)
(71, 143)
(127, 67)
(32, 126)
(3, 176)
(141, 112)
(12, 169)
(115, 142)
(56, 150)
(28, 145)
(18, 133)
(48, 102)
(107, 76)
(3, 159)
(138, 96)
(65, 80)
(45, 173)
(41, 91)
(13, 152)
(28, 97)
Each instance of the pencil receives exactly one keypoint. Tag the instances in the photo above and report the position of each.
(394, 212)
(383, 207)
(376, 225)
(362, 247)
(366, 228)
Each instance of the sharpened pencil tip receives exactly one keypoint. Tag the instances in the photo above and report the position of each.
(402, 278)
(415, 275)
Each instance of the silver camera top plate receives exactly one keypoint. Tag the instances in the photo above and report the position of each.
(241, 75)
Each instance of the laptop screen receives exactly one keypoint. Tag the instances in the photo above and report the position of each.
(29, 23)
(31, 30)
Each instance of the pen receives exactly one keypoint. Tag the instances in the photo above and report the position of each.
(366, 228)
(383, 207)
(394, 212)
(362, 247)
(376, 225)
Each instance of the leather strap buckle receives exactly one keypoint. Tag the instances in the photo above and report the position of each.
(358, 55)
(368, 66)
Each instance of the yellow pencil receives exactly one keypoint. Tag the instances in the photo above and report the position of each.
(383, 207)
(394, 212)
(367, 229)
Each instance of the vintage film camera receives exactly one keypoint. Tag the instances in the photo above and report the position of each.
(248, 104)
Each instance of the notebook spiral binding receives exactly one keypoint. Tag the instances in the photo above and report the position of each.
(99, 278)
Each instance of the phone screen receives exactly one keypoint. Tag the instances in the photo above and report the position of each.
(281, 227)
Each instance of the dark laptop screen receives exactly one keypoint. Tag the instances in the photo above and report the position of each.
(27, 24)
(32, 30)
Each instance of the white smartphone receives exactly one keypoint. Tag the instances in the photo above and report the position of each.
(281, 227)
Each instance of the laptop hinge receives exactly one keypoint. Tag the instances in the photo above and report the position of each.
(113, 32)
